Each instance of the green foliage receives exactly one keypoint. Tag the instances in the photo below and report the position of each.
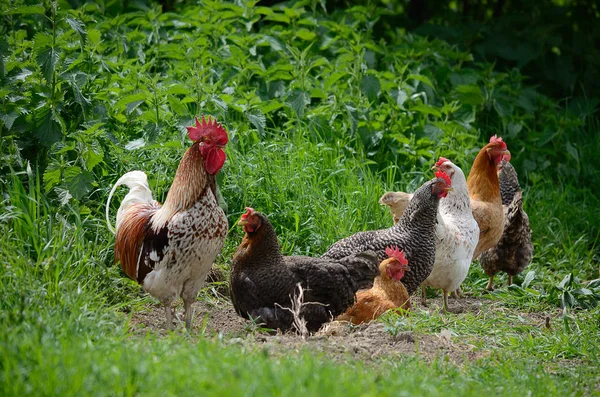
(323, 117)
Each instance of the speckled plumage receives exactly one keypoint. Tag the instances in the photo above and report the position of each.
(263, 281)
(515, 249)
(414, 233)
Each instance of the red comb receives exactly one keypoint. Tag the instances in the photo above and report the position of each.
(498, 139)
(396, 254)
(208, 128)
(441, 161)
(443, 175)
(249, 211)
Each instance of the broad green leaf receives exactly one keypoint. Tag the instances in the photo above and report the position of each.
(93, 155)
(176, 105)
(94, 36)
(528, 279)
(79, 27)
(370, 86)
(52, 176)
(503, 108)
(421, 78)
(306, 34)
(594, 284)
(27, 10)
(177, 89)
(48, 129)
(583, 292)
(267, 107)
(276, 17)
(79, 97)
(426, 110)
(298, 100)
(80, 184)
(140, 96)
(567, 280)
(220, 103)
(469, 94)
(9, 119)
(131, 106)
(47, 58)
(572, 150)
(258, 120)
(333, 78)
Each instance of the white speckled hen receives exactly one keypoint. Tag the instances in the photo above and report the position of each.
(169, 249)
(414, 233)
(263, 281)
(514, 250)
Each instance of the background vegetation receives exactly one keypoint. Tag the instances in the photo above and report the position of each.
(326, 109)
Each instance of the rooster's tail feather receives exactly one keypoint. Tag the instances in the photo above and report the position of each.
(139, 192)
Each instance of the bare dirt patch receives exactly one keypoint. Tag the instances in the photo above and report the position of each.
(338, 340)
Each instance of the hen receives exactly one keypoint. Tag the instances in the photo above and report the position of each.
(457, 235)
(484, 190)
(514, 250)
(397, 201)
(263, 282)
(387, 293)
(169, 249)
(414, 233)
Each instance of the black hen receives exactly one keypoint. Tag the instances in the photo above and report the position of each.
(414, 233)
(264, 282)
(514, 250)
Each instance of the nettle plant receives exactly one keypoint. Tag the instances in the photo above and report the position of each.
(83, 91)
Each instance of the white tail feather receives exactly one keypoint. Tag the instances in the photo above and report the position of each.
(139, 192)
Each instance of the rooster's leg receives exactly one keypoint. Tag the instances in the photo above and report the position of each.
(445, 300)
(510, 281)
(490, 286)
(423, 295)
(458, 293)
(169, 312)
(189, 294)
(187, 305)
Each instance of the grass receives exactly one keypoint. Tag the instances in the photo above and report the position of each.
(316, 169)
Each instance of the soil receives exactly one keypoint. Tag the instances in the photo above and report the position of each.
(339, 340)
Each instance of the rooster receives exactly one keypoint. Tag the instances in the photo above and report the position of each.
(263, 281)
(414, 233)
(514, 250)
(387, 293)
(169, 249)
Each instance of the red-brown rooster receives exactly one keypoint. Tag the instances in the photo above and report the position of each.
(169, 249)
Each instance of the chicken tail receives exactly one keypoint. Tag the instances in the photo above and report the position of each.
(139, 192)
(363, 267)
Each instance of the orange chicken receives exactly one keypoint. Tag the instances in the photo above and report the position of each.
(387, 292)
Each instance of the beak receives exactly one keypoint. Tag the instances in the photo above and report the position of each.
(242, 222)
(435, 168)
(449, 189)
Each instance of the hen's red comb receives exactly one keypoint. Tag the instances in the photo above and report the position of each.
(249, 211)
(396, 254)
(208, 128)
(441, 161)
(443, 175)
(498, 139)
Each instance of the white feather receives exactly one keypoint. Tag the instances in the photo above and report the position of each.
(139, 192)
